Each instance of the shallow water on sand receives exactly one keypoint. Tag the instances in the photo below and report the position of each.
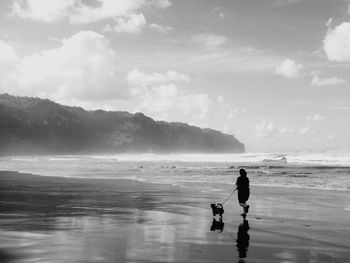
(200, 171)
(143, 236)
(53, 219)
(79, 212)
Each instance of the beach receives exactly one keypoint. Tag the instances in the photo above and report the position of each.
(57, 219)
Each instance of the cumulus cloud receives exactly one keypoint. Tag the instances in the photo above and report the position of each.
(230, 110)
(140, 78)
(195, 105)
(160, 97)
(160, 28)
(336, 44)
(159, 100)
(167, 99)
(209, 41)
(305, 130)
(314, 117)
(43, 10)
(286, 2)
(289, 69)
(133, 24)
(320, 82)
(329, 22)
(227, 111)
(160, 3)
(80, 12)
(82, 68)
(332, 136)
(8, 64)
(7, 53)
(267, 129)
(220, 99)
(236, 112)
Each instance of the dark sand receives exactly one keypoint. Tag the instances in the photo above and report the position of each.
(48, 219)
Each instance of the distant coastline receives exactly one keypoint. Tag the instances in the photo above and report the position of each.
(40, 126)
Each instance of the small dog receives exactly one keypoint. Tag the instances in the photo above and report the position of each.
(218, 209)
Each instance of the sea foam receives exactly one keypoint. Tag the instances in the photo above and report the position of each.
(326, 171)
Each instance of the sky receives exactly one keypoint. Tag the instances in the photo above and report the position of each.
(274, 73)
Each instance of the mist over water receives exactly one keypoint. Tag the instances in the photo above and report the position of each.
(325, 171)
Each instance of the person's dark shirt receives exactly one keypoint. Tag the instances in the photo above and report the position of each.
(242, 183)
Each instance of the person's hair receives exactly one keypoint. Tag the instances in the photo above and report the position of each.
(242, 172)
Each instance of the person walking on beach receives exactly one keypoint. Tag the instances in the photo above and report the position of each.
(242, 184)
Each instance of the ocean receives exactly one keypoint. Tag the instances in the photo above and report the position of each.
(323, 171)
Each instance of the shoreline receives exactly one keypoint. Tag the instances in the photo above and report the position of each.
(60, 219)
(189, 184)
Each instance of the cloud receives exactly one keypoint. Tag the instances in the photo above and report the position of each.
(160, 3)
(336, 44)
(195, 105)
(160, 97)
(236, 112)
(332, 136)
(286, 2)
(160, 28)
(314, 117)
(159, 100)
(209, 41)
(133, 24)
(305, 130)
(107, 9)
(226, 111)
(289, 69)
(78, 11)
(167, 100)
(320, 82)
(7, 53)
(140, 78)
(329, 22)
(8, 65)
(43, 10)
(267, 129)
(229, 109)
(82, 68)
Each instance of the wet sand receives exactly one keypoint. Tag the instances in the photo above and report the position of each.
(52, 219)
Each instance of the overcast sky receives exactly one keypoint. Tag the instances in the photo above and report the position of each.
(275, 73)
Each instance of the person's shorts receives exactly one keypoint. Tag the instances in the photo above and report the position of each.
(243, 195)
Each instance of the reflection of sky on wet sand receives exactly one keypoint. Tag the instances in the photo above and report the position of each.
(107, 221)
(147, 235)
(167, 237)
(69, 220)
(156, 236)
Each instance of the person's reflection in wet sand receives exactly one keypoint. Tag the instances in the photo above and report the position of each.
(6, 256)
(242, 241)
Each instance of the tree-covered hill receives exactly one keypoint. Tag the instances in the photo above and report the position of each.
(37, 126)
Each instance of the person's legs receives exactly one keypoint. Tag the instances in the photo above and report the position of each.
(243, 197)
(245, 207)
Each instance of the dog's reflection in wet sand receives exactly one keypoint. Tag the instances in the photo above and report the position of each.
(217, 225)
